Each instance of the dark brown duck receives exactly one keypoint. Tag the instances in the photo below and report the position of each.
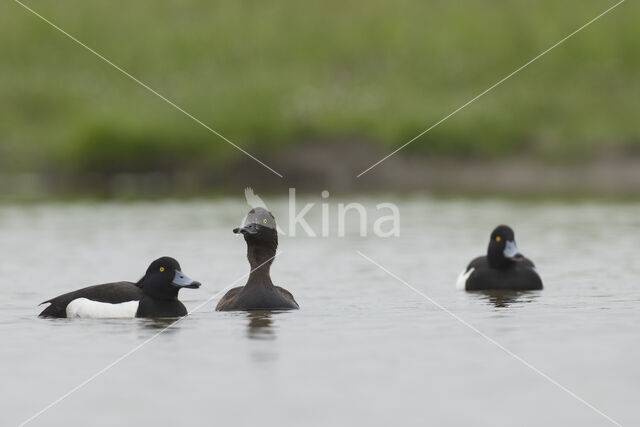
(259, 293)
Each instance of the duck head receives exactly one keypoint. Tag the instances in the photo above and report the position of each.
(164, 279)
(502, 249)
(259, 227)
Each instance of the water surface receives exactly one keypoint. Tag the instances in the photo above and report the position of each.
(363, 350)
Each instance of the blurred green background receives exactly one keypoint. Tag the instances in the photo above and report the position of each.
(275, 75)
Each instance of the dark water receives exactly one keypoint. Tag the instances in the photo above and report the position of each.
(363, 350)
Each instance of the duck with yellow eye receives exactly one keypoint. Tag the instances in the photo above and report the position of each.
(503, 268)
(155, 295)
(259, 293)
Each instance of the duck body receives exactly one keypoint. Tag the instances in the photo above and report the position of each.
(155, 295)
(259, 293)
(503, 268)
(517, 276)
(257, 297)
(73, 304)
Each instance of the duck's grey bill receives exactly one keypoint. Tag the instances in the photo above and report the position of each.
(511, 250)
(249, 228)
(182, 280)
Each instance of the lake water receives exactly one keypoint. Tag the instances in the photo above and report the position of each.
(364, 349)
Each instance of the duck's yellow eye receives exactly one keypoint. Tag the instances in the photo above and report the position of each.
(161, 269)
(498, 238)
(264, 221)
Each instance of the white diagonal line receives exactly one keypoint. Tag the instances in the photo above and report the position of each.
(195, 119)
(135, 349)
(490, 88)
(491, 340)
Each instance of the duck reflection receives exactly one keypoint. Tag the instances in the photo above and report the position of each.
(505, 299)
(260, 326)
(162, 323)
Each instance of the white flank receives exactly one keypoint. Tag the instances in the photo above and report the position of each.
(86, 308)
(461, 283)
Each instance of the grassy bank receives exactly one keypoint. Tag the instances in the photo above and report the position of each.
(269, 75)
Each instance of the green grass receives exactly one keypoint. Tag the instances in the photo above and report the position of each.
(271, 74)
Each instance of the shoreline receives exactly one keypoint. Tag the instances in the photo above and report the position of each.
(333, 167)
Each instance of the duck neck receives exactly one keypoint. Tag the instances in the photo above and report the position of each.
(167, 294)
(497, 260)
(260, 258)
(158, 290)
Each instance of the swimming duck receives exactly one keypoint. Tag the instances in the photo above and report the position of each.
(259, 293)
(155, 295)
(503, 268)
